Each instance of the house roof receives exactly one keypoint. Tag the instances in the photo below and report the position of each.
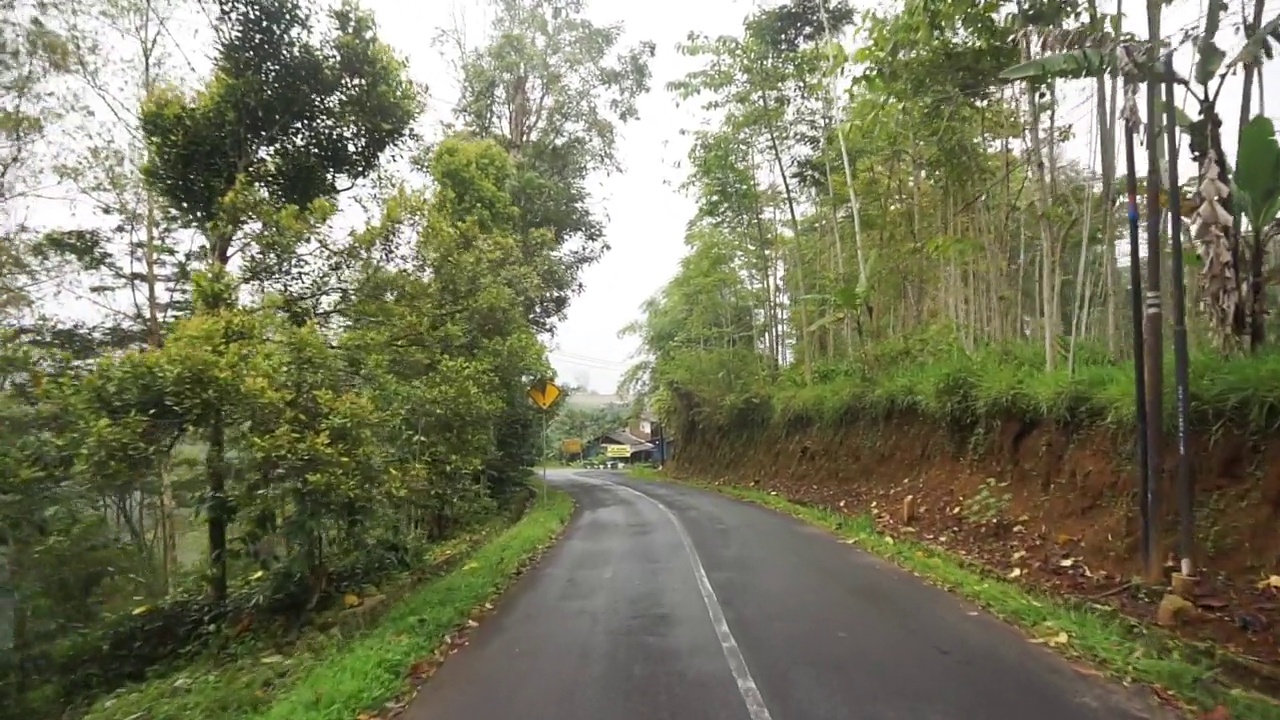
(622, 437)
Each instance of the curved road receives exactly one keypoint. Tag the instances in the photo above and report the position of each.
(666, 602)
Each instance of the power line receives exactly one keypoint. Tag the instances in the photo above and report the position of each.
(589, 358)
(593, 364)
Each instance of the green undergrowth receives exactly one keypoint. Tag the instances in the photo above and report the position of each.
(1095, 633)
(351, 667)
(942, 382)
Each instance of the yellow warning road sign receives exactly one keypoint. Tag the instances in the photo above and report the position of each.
(544, 393)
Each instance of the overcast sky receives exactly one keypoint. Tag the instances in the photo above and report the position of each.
(646, 213)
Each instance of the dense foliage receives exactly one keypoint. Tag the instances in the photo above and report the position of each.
(903, 227)
(304, 368)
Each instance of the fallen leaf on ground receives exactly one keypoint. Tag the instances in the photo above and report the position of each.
(1165, 696)
(1272, 582)
(1016, 572)
(1218, 713)
(350, 600)
(1054, 641)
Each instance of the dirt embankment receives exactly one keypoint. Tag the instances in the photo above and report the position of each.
(1047, 505)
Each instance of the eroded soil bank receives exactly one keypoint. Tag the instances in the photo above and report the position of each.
(1047, 505)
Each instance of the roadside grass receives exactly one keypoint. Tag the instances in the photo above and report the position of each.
(931, 375)
(351, 668)
(1098, 634)
(645, 473)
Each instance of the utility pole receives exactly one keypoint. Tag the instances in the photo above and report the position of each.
(1129, 67)
(1153, 318)
(1181, 355)
(1139, 374)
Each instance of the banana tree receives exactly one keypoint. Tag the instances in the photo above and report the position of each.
(1257, 189)
(1217, 218)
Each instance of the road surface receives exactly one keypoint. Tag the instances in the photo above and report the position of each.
(666, 602)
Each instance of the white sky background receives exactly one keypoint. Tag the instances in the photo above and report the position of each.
(646, 212)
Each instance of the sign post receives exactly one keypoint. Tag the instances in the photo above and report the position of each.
(544, 394)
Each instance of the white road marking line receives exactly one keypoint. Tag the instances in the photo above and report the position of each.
(732, 653)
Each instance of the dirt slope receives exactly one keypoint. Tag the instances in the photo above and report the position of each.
(1048, 505)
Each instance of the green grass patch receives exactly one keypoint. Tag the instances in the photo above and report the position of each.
(335, 675)
(1098, 634)
(644, 472)
(936, 378)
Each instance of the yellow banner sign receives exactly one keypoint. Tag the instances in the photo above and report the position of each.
(571, 446)
(544, 393)
(617, 451)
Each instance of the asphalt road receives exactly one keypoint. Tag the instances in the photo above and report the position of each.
(665, 602)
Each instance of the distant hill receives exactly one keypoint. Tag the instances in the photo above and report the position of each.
(587, 400)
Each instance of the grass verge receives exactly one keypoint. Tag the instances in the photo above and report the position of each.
(645, 473)
(339, 674)
(931, 375)
(1095, 633)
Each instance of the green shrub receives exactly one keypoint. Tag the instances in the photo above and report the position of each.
(945, 383)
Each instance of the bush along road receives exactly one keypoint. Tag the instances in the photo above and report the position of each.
(372, 656)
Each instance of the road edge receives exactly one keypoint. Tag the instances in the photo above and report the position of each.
(438, 633)
(1179, 678)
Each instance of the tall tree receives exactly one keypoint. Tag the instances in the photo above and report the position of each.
(35, 53)
(288, 122)
(553, 89)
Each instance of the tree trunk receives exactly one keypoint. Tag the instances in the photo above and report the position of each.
(1041, 198)
(795, 231)
(1107, 113)
(1257, 293)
